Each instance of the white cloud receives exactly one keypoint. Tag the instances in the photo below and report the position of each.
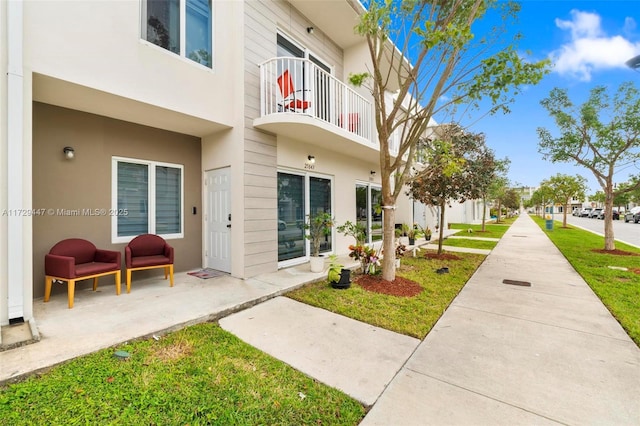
(584, 24)
(590, 48)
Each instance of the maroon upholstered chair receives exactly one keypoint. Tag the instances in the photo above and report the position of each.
(76, 259)
(148, 251)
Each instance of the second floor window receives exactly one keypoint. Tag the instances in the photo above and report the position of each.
(183, 27)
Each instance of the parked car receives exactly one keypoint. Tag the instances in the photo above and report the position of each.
(632, 215)
(594, 213)
(602, 214)
(585, 212)
(576, 211)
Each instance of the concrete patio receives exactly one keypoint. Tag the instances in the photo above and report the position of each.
(101, 319)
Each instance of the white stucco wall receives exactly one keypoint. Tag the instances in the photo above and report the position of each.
(97, 44)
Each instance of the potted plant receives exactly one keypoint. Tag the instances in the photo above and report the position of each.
(318, 227)
(367, 256)
(400, 249)
(411, 233)
(339, 277)
(354, 230)
(398, 232)
(427, 234)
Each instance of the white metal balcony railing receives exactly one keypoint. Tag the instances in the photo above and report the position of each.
(295, 85)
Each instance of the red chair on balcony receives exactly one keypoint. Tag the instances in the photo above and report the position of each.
(148, 251)
(291, 98)
(351, 124)
(75, 259)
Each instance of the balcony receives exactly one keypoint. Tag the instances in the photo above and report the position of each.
(298, 97)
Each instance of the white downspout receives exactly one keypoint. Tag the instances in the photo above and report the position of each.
(15, 161)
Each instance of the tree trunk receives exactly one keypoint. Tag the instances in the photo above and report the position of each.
(564, 216)
(609, 242)
(484, 212)
(388, 246)
(441, 236)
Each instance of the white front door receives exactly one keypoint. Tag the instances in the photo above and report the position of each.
(218, 220)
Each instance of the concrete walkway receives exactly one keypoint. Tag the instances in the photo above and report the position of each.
(357, 358)
(550, 353)
(504, 354)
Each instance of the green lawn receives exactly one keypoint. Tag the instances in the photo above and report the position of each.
(618, 290)
(196, 376)
(470, 243)
(413, 316)
(491, 230)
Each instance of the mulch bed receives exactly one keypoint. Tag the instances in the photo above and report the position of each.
(635, 270)
(442, 256)
(399, 287)
(615, 252)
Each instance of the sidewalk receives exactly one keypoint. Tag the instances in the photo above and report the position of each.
(504, 354)
(501, 354)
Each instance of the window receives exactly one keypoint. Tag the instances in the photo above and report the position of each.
(369, 210)
(305, 79)
(298, 195)
(183, 27)
(147, 198)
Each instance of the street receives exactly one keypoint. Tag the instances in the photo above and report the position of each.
(626, 232)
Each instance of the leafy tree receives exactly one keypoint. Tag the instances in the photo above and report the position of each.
(541, 197)
(598, 197)
(511, 199)
(602, 134)
(622, 198)
(427, 56)
(498, 192)
(562, 188)
(494, 172)
(456, 162)
(634, 194)
(535, 201)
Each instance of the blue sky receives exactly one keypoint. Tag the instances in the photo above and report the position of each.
(588, 41)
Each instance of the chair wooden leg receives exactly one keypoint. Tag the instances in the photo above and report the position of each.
(47, 287)
(72, 289)
(118, 278)
(166, 272)
(171, 274)
(128, 280)
(95, 283)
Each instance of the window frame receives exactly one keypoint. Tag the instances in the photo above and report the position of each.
(307, 206)
(369, 233)
(151, 194)
(183, 34)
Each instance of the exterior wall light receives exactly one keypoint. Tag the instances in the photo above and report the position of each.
(310, 30)
(372, 172)
(69, 152)
(311, 159)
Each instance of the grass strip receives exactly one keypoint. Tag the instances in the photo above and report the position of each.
(470, 243)
(199, 375)
(619, 290)
(491, 230)
(412, 316)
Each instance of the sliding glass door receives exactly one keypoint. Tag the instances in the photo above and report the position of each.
(300, 194)
(369, 210)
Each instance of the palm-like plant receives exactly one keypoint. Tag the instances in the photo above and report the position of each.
(318, 226)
